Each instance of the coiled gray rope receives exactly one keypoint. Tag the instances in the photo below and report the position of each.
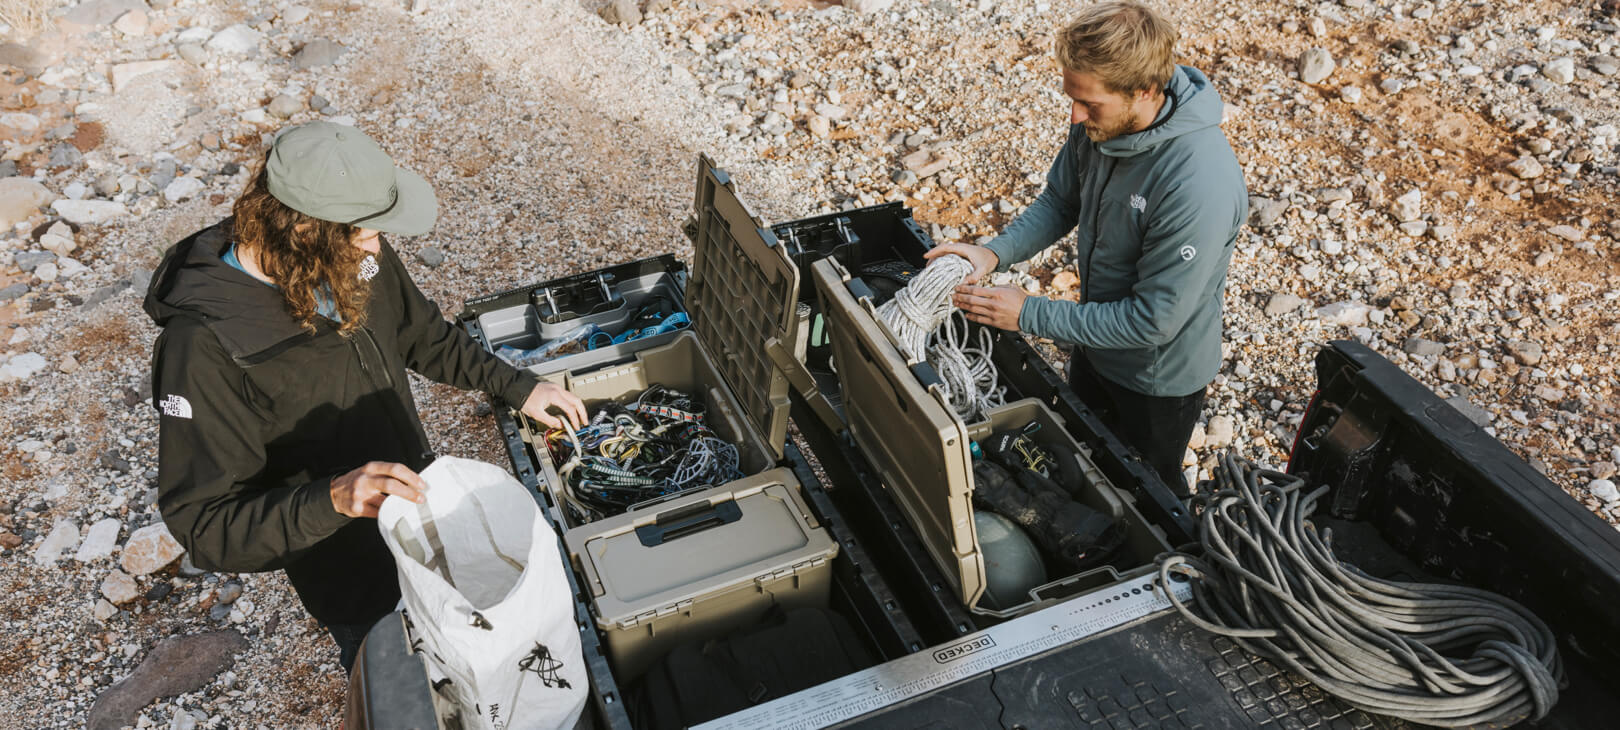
(1429, 653)
(929, 327)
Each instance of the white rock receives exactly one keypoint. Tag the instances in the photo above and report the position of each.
(1568, 233)
(1315, 65)
(1345, 314)
(62, 538)
(1604, 490)
(1415, 229)
(1197, 440)
(255, 116)
(133, 22)
(20, 121)
(296, 14)
(1350, 94)
(67, 268)
(181, 188)
(1219, 433)
(149, 549)
(119, 588)
(832, 111)
(124, 73)
(1560, 70)
(194, 34)
(99, 541)
(89, 212)
(1408, 207)
(46, 272)
(56, 244)
(75, 191)
(818, 126)
(20, 199)
(1526, 167)
(237, 40)
(103, 610)
(59, 240)
(22, 367)
(869, 6)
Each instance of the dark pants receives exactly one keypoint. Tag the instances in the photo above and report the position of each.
(348, 638)
(1158, 427)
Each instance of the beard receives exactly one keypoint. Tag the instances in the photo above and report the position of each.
(1119, 128)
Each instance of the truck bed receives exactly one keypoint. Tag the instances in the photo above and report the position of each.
(1418, 492)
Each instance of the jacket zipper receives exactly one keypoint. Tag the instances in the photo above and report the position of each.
(388, 379)
(1096, 224)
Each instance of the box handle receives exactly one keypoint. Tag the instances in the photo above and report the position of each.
(679, 523)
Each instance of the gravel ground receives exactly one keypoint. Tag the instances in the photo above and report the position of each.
(1438, 194)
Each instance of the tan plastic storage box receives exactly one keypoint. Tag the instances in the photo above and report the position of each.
(701, 565)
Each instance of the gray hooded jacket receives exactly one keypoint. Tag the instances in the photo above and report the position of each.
(1156, 214)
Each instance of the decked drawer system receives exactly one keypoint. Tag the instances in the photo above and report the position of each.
(863, 503)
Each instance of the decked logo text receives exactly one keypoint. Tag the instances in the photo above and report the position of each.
(957, 651)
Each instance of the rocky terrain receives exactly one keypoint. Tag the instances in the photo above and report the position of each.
(1431, 178)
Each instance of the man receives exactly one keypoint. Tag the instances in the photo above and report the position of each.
(1155, 195)
(287, 416)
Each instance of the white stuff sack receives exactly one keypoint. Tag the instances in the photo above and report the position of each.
(485, 594)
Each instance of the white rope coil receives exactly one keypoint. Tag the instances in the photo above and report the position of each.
(929, 327)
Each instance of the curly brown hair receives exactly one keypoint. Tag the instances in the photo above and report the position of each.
(303, 255)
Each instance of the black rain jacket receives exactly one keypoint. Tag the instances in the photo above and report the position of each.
(258, 416)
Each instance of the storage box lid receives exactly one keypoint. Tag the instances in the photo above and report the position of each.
(906, 426)
(742, 295)
(644, 564)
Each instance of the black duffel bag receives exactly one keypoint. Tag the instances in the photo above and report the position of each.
(786, 652)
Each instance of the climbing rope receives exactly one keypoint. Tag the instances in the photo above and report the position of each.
(1430, 653)
(929, 327)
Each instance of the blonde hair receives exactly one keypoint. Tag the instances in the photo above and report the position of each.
(1127, 45)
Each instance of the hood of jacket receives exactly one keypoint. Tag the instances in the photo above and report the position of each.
(1195, 106)
(193, 281)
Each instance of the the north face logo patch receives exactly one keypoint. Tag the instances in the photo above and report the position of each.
(1188, 252)
(176, 406)
(369, 268)
(1140, 203)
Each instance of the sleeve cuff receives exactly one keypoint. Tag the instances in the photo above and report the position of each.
(320, 516)
(1029, 315)
(999, 248)
(518, 392)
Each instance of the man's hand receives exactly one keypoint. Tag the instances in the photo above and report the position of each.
(983, 259)
(546, 396)
(997, 306)
(360, 492)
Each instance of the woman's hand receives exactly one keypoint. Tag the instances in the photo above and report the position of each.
(361, 492)
(547, 396)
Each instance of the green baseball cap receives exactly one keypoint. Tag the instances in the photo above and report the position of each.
(337, 173)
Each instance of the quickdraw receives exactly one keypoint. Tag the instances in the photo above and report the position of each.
(657, 445)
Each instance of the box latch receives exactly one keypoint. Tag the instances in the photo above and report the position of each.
(657, 613)
(782, 574)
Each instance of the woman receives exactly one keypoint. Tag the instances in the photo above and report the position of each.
(287, 416)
